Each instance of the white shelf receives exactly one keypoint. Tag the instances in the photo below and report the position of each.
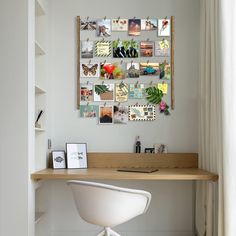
(39, 130)
(39, 10)
(39, 90)
(38, 49)
(38, 216)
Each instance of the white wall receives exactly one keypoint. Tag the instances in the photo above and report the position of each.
(16, 104)
(171, 212)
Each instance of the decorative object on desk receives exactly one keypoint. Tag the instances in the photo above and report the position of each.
(89, 70)
(164, 108)
(164, 27)
(86, 92)
(86, 49)
(89, 111)
(88, 24)
(142, 113)
(148, 24)
(105, 114)
(37, 125)
(146, 49)
(132, 70)
(165, 71)
(162, 48)
(163, 87)
(102, 48)
(149, 150)
(134, 27)
(58, 159)
(137, 145)
(136, 91)
(160, 148)
(114, 70)
(119, 24)
(121, 114)
(121, 91)
(125, 49)
(103, 92)
(153, 95)
(149, 68)
(103, 28)
(76, 155)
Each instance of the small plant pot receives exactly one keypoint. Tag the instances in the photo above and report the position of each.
(107, 96)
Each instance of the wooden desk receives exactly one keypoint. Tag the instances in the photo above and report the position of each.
(103, 166)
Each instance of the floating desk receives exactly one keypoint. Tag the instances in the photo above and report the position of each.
(103, 166)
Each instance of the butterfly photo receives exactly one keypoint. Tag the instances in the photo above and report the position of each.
(90, 70)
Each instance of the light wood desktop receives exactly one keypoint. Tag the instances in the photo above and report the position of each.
(104, 166)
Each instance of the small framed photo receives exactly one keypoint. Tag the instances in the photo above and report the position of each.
(58, 159)
(76, 155)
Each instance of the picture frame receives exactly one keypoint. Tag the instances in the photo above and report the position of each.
(58, 159)
(76, 155)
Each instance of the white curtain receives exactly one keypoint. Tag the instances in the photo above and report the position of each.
(216, 203)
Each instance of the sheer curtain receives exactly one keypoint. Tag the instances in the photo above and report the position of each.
(216, 203)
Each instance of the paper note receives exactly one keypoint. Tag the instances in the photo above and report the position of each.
(163, 87)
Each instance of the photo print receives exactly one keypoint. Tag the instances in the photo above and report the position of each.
(122, 92)
(132, 70)
(136, 91)
(89, 111)
(162, 48)
(163, 87)
(146, 49)
(125, 49)
(103, 92)
(89, 70)
(165, 71)
(164, 27)
(104, 28)
(149, 24)
(86, 49)
(149, 68)
(142, 113)
(88, 24)
(102, 48)
(105, 114)
(86, 92)
(134, 27)
(119, 24)
(121, 114)
(112, 70)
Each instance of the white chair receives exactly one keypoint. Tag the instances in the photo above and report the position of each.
(107, 205)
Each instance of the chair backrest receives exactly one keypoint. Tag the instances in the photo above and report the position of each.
(108, 205)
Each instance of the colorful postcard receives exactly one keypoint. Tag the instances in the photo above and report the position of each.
(149, 68)
(149, 24)
(89, 70)
(134, 27)
(104, 28)
(86, 49)
(132, 70)
(164, 27)
(86, 92)
(102, 48)
(136, 91)
(125, 49)
(119, 24)
(122, 92)
(163, 87)
(105, 114)
(142, 113)
(88, 24)
(114, 70)
(89, 111)
(103, 92)
(146, 49)
(162, 48)
(165, 71)
(121, 114)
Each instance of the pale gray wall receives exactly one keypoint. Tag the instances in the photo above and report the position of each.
(171, 212)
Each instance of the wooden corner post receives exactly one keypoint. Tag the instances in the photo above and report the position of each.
(78, 62)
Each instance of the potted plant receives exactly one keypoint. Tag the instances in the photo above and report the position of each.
(103, 91)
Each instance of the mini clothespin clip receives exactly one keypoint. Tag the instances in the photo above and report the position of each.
(87, 39)
(148, 104)
(134, 17)
(104, 61)
(87, 18)
(136, 83)
(87, 104)
(151, 83)
(105, 104)
(102, 82)
(87, 82)
(118, 104)
(136, 104)
(132, 62)
(89, 62)
(105, 18)
(148, 18)
(147, 61)
(118, 18)
(147, 39)
(103, 39)
(121, 62)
